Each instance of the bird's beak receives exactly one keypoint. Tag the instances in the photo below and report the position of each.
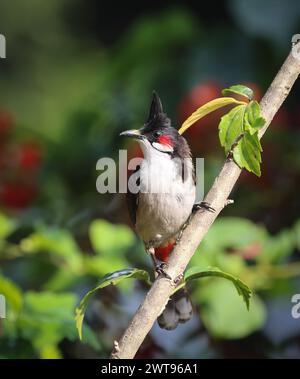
(132, 134)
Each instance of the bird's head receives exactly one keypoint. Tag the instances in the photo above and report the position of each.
(157, 134)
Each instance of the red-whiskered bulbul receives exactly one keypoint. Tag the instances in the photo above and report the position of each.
(165, 199)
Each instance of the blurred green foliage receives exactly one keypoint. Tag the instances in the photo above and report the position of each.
(40, 321)
(44, 319)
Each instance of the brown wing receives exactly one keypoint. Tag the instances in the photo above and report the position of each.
(132, 200)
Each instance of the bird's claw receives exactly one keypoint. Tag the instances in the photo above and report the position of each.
(203, 205)
(160, 269)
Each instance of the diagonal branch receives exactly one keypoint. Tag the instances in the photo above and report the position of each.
(159, 293)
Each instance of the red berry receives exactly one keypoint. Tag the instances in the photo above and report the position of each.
(18, 196)
(30, 155)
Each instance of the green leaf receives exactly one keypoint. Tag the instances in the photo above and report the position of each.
(57, 242)
(239, 89)
(47, 318)
(110, 239)
(238, 131)
(231, 127)
(12, 294)
(242, 289)
(296, 230)
(7, 225)
(224, 315)
(278, 247)
(109, 279)
(50, 352)
(90, 337)
(99, 265)
(206, 109)
(253, 119)
(247, 153)
(61, 280)
(234, 232)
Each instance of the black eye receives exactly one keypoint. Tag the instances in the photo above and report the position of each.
(157, 134)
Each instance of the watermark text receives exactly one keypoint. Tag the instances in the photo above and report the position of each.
(2, 306)
(296, 308)
(2, 46)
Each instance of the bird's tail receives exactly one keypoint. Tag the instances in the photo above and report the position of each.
(178, 310)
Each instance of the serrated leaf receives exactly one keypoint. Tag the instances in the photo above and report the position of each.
(247, 153)
(231, 127)
(206, 109)
(239, 89)
(109, 279)
(253, 111)
(253, 119)
(242, 289)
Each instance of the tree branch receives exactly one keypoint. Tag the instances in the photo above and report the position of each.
(159, 293)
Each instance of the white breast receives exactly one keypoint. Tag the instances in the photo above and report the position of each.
(165, 199)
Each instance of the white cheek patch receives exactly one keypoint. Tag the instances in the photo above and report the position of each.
(163, 147)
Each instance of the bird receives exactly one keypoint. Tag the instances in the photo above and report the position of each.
(165, 199)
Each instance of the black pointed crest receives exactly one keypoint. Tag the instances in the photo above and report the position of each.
(156, 108)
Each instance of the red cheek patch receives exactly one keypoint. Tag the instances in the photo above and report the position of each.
(165, 140)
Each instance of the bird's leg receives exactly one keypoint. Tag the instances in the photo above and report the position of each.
(159, 267)
(155, 261)
(151, 252)
(202, 205)
(196, 206)
(160, 270)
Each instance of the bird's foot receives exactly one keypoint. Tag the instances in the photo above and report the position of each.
(203, 205)
(160, 269)
(196, 207)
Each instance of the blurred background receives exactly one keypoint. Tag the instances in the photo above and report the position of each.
(79, 72)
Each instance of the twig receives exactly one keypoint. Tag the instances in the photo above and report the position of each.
(159, 293)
